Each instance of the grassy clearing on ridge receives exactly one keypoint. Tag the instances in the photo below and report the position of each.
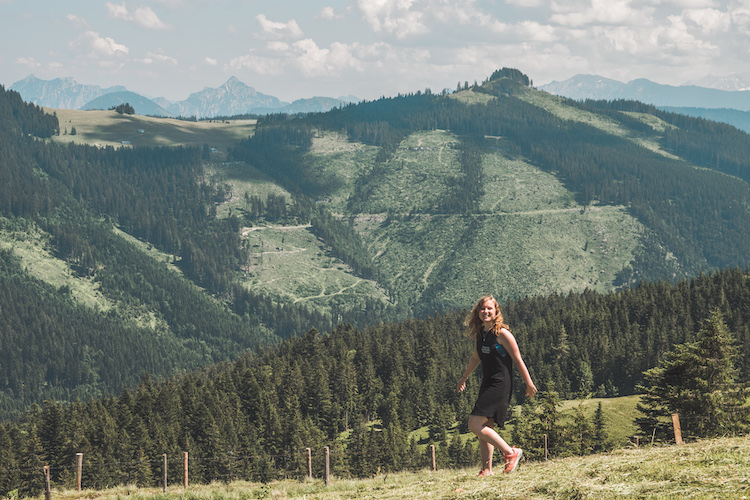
(109, 128)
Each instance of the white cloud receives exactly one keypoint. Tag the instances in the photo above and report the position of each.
(211, 61)
(258, 64)
(689, 4)
(273, 29)
(599, 12)
(159, 57)
(393, 16)
(532, 31)
(277, 46)
(312, 59)
(78, 22)
(29, 62)
(100, 45)
(526, 3)
(457, 12)
(172, 4)
(142, 16)
(709, 20)
(118, 11)
(329, 13)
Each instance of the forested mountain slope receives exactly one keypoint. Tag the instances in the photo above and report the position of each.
(503, 189)
(58, 205)
(122, 261)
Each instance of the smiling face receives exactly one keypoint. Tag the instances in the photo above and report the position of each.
(488, 313)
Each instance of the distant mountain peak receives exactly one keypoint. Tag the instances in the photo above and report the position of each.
(233, 97)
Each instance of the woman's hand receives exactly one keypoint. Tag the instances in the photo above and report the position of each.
(530, 389)
(461, 385)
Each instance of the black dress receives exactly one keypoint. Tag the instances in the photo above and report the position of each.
(497, 380)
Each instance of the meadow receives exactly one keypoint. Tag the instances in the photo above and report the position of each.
(706, 469)
(109, 128)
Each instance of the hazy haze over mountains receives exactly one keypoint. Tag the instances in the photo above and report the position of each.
(598, 87)
(232, 98)
(721, 99)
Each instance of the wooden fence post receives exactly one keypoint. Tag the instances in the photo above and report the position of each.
(545, 447)
(165, 473)
(79, 467)
(309, 462)
(432, 454)
(637, 441)
(328, 466)
(185, 468)
(47, 485)
(677, 429)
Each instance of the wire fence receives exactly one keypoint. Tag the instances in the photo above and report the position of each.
(183, 469)
(178, 471)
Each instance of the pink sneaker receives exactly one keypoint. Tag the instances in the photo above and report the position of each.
(512, 459)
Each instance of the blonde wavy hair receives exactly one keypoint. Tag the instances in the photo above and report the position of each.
(474, 325)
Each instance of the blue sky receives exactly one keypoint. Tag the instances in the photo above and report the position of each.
(367, 48)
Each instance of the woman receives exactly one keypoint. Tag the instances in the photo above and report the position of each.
(496, 349)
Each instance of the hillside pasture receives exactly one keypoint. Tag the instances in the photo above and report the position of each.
(243, 180)
(34, 249)
(341, 162)
(710, 469)
(524, 212)
(292, 265)
(109, 128)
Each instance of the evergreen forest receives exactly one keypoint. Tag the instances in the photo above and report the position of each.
(363, 393)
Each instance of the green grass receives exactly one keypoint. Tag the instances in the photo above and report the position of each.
(242, 180)
(109, 128)
(619, 414)
(707, 469)
(34, 249)
(290, 263)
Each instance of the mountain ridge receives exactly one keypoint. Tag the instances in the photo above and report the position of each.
(582, 86)
(232, 98)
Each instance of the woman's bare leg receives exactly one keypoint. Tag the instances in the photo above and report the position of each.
(483, 428)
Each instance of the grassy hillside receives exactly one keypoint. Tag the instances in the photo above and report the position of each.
(619, 415)
(109, 128)
(710, 469)
(531, 236)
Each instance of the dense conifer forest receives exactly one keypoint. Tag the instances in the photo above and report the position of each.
(255, 416)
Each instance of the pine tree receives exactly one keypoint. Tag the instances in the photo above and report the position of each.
(32, 463)
(9, 471)
(582, 432)
(600, 435)
(697, 381)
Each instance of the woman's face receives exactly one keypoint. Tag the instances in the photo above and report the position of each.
(488, 312)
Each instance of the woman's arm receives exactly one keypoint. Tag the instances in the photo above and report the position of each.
(473, 363)
(509, 342)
